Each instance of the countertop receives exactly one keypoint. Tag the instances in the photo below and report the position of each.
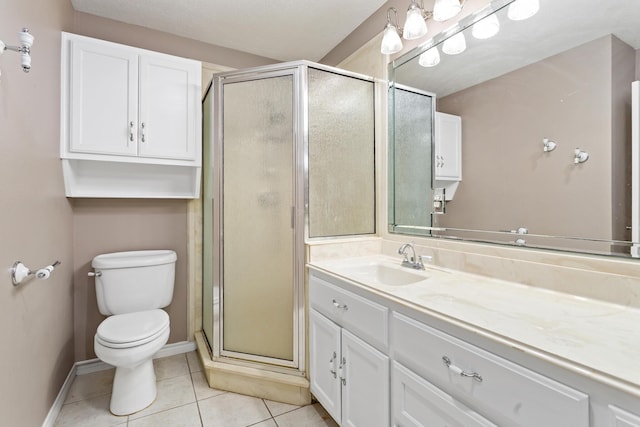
(602, 339)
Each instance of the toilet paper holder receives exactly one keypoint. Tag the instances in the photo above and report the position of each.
(19, 272)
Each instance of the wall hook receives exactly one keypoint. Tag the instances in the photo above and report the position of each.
(549, 145)
(581, 156)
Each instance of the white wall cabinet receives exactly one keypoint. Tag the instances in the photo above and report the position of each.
(126, 105)
(348, 375)
(448, 152)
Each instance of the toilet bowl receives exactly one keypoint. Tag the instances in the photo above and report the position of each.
(131, 288)
(128, 342)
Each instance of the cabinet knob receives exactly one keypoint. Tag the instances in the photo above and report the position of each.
(131, 131)
(456, 370)
(142, 136)
(336, 304)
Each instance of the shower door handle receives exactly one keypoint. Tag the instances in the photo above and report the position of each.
(293, 217)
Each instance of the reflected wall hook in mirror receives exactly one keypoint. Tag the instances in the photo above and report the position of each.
(549, 145)
(581, 156)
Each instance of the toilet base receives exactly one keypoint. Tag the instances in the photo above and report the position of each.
(134, 388)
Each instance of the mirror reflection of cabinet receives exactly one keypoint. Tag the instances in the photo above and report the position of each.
(448, 152)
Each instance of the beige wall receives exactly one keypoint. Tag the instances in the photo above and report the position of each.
(36, 319)
(40, 320)
(573, 98)
(107, 225)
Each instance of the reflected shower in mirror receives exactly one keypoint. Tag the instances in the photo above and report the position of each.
(560, 78)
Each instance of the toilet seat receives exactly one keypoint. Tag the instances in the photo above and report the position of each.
(132, 329)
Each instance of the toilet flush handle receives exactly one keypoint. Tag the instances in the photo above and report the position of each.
(96, 274)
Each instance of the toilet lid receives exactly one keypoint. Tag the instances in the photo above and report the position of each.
(132, 329)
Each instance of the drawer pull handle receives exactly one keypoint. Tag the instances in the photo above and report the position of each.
(336, 304)
(453, 368)
(332, 365)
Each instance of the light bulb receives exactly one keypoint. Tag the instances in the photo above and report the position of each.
(520, 10)
(486, 28)
(430, 58)
(454, 44)
(391, 42)
(446, 9)
(415, 25)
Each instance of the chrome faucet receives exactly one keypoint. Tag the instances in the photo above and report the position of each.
(413, 261)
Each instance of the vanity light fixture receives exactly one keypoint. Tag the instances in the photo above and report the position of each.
(430, 58)
(415, 25)
(26, 41)
(486, 27)
(455, 44)
(520, 10)
(391, 42)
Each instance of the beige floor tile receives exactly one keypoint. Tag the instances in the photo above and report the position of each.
(92, 412)
(169, 367)
(267, 423)
(194, 361)
(201, 387)
(172, 392)
(279, 408)
(308, 416)
(90, 385)
(183, 416)
(232, 410)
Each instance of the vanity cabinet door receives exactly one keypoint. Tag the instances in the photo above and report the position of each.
(365, 384)
(324, 355)
(415, 402)
(621, 418)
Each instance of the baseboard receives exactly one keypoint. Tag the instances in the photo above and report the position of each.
(94, 365)
(50, 420)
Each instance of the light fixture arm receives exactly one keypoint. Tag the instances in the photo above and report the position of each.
(389, 23)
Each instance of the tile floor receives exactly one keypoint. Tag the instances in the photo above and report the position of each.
(184, 399)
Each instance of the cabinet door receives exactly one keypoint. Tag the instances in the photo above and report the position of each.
(621, 418)
(448, 142)
(168, 102)
(324, 355)
(415, 402)
(365, 389)
(104, 92)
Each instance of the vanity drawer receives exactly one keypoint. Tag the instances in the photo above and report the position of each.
(416, 402)
(364, 318)
(507, 393)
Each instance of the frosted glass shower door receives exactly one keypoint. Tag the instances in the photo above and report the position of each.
(258, 270)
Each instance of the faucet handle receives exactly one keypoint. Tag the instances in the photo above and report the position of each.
(427, 258)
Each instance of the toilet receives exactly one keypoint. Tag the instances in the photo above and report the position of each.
(131, 289)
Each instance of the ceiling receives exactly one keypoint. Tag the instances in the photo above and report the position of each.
(283, 30)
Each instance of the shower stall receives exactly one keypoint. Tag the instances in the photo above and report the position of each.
(289, 157)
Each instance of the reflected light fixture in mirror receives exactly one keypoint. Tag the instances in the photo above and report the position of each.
(446, 9)
(415, 25)
(486, 28)
(520, 10)
(430, 58)
(455, 44)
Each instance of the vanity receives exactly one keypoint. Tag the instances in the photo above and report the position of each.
(394, 346)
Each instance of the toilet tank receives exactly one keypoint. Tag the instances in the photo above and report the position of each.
(134, 281)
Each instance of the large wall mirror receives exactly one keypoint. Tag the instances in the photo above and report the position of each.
(544, 110)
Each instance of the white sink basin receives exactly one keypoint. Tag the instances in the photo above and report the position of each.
(380, 274)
